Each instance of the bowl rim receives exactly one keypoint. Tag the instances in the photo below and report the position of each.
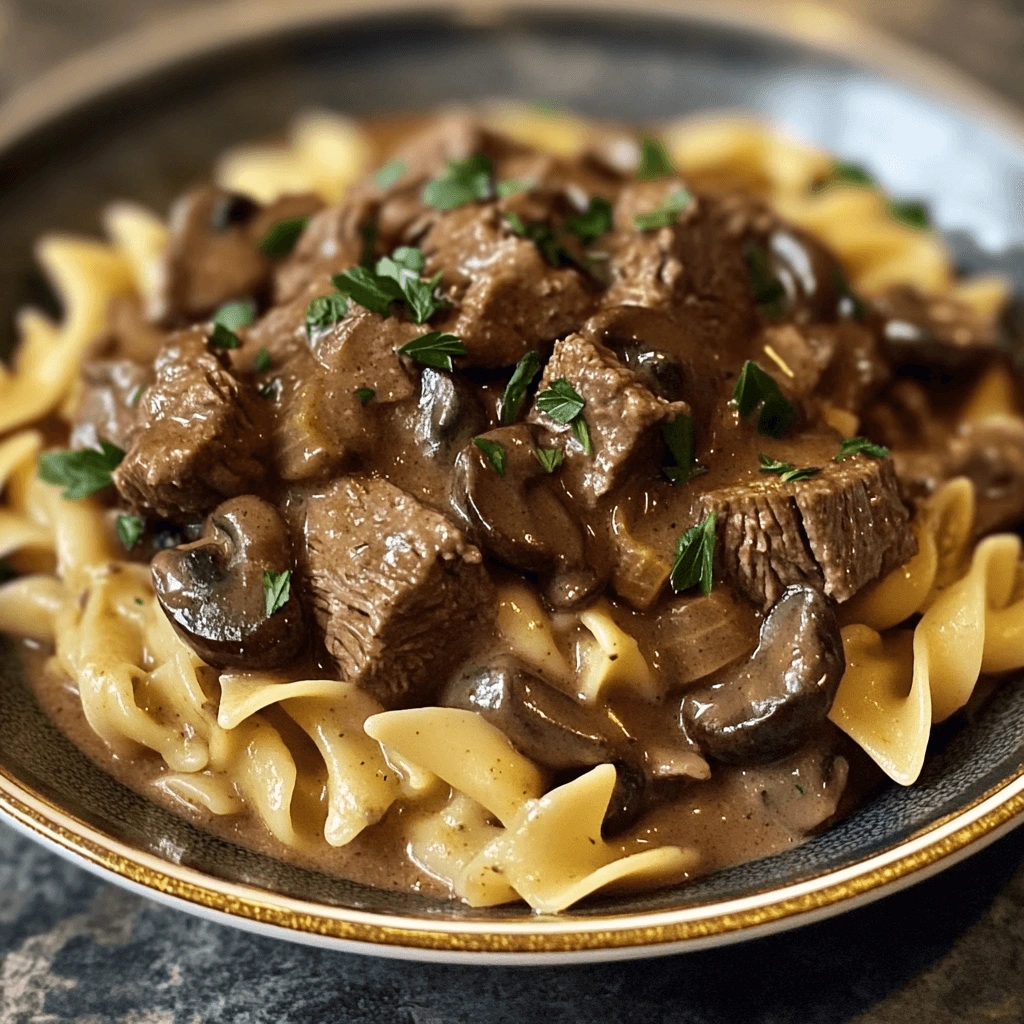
(534, 938)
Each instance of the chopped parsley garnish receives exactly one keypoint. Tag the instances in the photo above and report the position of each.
(271, 390)
(130, 529)
(277, 589)
(768, 290)
(800, 788)
(515, 391)
(861, 446)
(368, 289)
(391, 172)
(81, 473)
(137, 394)
(786, 471)
(561, 401)
(365, 395)
(695, 556)
(843, 172)
(324, 312)
(654, 160)
(223, 338)
(435, 350)
(678, 435)
(262, 361)
(581, 432)
(912, 213)
(234, 315)
(403, 267)
(512, 186)
(281, 238)
(542, 236)
(549, 458)
(756, 391)
(665, 215)
(464, 181)
(494, 451)
(595, 222)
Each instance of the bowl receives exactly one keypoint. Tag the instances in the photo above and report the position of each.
(146, 116)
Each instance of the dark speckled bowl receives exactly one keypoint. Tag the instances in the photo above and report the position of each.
(146, 117)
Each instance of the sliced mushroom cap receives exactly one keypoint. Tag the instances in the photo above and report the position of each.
(213, 589)
(553, 730)
(448, 415)
(517, 516)
(764, 707)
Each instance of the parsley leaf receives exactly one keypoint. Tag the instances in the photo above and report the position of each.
(515, 391)
(262, 361)
(223, 338)
(464, 181)
(130, 529)
(324, 312)
(561, 401)
(137, 394)
(860, 446)
(403, 267)
(581, 432)
(843, 172)
(549, 458)
(695, 556)
(595, 222)
(234, 315)
(81, 473)
(371, 291)
(494, 451)
(365, 395)
(512, 186)
(909, 212)
(665, 215)
(678, 435)
(767, 288)
(654, 160)
(277, 589)
(756, 390)
(281, 238)
(786, 471)
(391, 172)
(434, 349)
(542, 236)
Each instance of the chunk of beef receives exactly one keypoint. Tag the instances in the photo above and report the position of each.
(202, 435)
(394, 587)
(838, 531)
(108, 409)
(621, 412)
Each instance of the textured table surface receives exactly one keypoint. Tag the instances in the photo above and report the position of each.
(73, 949)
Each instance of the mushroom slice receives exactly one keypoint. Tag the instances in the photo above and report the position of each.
(554, 730)
(212, 590)
(763, 708)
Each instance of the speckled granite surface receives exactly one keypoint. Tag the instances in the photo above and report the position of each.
(75, 950)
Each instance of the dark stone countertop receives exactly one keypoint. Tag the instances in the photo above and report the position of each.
(73, 949)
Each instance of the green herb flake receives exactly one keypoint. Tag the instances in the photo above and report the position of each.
(515, 391)
(81, 473)
(129, 530)
(756, 391)
(589, 226)
(464, 181)
(222, 338)
(371, 291)
(139, 601)
(271, 391)
(365, 395)
(237, 314)
(262, 362)
(403, 267)
(695, 557)
(786, 471)
(512, 187)
(324, 312)
(654, 160)
(665, 215)
(435, 350)
(860, 446)
(581, 432)
(800, 788)
(561, 401)
(767, 289)
(391, 172)
(678, 435)
(281, 238)
(542, 236)
(843, 172)
(277, 589)
(549, 458)
(494, 452)
(912, 213)
(137, 394)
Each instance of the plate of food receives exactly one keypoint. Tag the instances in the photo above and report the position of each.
(567, 509)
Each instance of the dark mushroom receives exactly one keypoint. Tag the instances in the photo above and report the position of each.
(761, 709)
(554, 730)
(449, 414)
(213, 589)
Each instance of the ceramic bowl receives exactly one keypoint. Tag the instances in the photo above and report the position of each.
(146, 117)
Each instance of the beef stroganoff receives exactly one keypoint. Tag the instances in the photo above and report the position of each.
(504, 506)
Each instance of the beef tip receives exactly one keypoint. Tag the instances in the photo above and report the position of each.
(213, 254)
(621, 412)
(393, 586)
(109, 406)
(333, 241)
(838, 531)
(202, 435)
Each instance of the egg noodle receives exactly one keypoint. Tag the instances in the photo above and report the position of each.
(480, 819)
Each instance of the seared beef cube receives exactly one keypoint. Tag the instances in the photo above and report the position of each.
(109, 406)
(838, 530)
(621, 412)
(396, 589)
(202, 435)
(332, 242)
(213, 252)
